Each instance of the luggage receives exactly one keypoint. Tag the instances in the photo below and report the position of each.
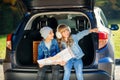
(35, 51)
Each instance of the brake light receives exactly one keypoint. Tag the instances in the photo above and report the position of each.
(103, 39)
(9, 43)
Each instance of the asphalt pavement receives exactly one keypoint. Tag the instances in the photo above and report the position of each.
(1, 72)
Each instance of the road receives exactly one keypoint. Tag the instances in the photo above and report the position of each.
(1, 73)
(117, 72)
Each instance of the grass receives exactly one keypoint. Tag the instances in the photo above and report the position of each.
(2, 46)
(116, 39)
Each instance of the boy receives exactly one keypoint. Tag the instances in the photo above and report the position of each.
(48, 47)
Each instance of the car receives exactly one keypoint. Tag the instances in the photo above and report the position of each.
(21, 48)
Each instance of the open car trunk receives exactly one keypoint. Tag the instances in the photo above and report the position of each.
(43, 4)
(27, 48)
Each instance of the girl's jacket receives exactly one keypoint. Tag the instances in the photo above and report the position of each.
(75, 47)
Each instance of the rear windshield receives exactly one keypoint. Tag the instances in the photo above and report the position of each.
(77, 22)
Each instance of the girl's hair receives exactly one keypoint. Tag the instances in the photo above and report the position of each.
(61, 29)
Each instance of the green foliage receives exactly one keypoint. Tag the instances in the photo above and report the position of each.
(27, 2)
(109, 8)
(118, 3)
(10, 16)
(9, 19)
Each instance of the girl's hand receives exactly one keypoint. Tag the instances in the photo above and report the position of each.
(94, 30)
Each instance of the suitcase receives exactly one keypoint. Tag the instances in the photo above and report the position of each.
(35, 51)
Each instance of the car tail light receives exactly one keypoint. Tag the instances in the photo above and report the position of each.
(103, 39)
(9, 43)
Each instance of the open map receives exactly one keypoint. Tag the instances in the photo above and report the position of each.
(64, 55)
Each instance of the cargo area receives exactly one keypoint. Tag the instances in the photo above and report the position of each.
(26, 51)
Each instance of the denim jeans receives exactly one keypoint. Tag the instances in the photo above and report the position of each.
(42, 71)
(77, 64)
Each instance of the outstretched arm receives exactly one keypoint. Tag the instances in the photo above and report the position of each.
(83, 33)
(94, 30)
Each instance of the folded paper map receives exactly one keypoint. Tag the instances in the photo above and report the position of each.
(64, 55)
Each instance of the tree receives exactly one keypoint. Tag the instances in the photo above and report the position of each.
(111, 8)
(115, 4)
(8, 16)
(118, 4)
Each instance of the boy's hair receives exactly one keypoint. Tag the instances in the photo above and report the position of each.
(61, 29)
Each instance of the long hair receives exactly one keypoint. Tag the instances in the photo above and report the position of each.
(61, 29)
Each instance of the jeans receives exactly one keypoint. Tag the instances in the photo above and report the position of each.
(77, 64)
(55, 72)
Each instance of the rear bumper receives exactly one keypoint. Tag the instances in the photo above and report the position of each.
(31, 75)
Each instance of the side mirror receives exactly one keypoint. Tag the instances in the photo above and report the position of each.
(114, 27)
(117, 61)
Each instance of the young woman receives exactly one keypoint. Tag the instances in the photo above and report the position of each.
(48, 47)
(65, 40)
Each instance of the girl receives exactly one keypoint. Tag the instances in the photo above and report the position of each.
(48, 47)
(65, 40)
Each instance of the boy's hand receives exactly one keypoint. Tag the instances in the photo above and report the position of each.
(62, 63)
(94, 30)
(40, 65)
